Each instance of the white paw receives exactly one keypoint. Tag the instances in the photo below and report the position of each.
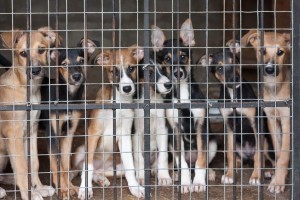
(186, 185)
(45, 190)
(276, 187)
(2, 193)
(137, 191)
(101, 180)
(81, 193)
(36, 196)
(226, 180)
(199, 185)
(254, 181)
(211, 175)
(164, 181)
(268, 174)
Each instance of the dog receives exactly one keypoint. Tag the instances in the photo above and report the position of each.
(71, 85)
(13, 124)
(277, 77)
(100, 131)
(223, 67)
(193, 144)
(160, 84)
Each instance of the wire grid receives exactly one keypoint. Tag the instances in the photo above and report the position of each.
(118, 25)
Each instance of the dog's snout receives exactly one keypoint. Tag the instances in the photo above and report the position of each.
(36, 70)
(77, 77)
(168, 85)
(180, 74)
(127, 89)
(269, 70)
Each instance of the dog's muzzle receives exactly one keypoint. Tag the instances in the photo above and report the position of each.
(35, 72)
(271, 70)
(181, 74)
(76, 78)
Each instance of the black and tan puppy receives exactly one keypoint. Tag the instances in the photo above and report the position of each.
(71, 85)
(222, 65)
(13, 124)
(277, 78)
(176, 55)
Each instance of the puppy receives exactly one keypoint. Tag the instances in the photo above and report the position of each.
(13, 124)
(178, 58)
(71, 83)
(222, 66)
(160, 84)
(277, 77)
(100, 131)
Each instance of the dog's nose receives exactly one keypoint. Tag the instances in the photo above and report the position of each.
(127, 89)
(180, 74)
(36, 70)
(270, 70)
(76, 77)
(168, 85)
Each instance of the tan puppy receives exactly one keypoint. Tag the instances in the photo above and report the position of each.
(13, 124)
(277, 77)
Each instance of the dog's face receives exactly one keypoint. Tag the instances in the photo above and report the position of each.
(173, 53)
(222, 66)
(276, 52)
(125, 69)
(40, 42)
(160, 77)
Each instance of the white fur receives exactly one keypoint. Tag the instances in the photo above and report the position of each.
(199, 182)
(126, 81)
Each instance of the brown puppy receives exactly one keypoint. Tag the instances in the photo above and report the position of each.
(13, 124)
(277, 77)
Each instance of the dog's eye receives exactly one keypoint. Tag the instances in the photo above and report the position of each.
(23, 54)
(220, 69)
(167, 58)
(183, 56)
(130, 69)
(81, 61)
(64, 64)
(41, 50)
(280, 52)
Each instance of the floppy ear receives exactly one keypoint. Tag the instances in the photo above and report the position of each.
(137, 52)
(157, 38)
(53, 53)
(9, 39)
(103, 58)
(91, 45)
(234, 45)
(187, 33)
(287, 38)
(250, 38)
(50, 35)
(205, 60)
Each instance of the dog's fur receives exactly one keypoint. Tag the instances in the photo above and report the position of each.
(193, 127)
(71, 79)
(100, 131)
(13, 123)
(277, 77)
(160, 83)
(222, 66)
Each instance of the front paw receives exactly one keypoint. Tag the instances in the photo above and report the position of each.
(227, 179)
(186, 185)
(2, 193)
(45, 190)
(81, 193)
(199, 185)
(137, 191)
(277, 185)
(164, 177)
(101, 180)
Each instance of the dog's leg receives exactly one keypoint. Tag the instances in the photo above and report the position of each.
(256, 174)
(278, 181)
(138, 155)
(44, 190)
(95, 130)
(228, 177)
(163, 175)
(3, 163)
(125, 146)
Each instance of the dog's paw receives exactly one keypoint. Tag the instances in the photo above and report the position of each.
(2, 193)
(36, 196)
(199, 185)
(276, 185)
(81, 193)
(45, 190)
(268, 174)
(227, 179)
(186, 189)
(254, 181)
(165, 181)
(211, 175)
(137, 191)
(101, 180)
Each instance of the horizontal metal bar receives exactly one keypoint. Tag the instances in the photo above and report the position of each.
(91, 106)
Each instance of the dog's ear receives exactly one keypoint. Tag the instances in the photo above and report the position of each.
(287, 38)
(103, 58)
(157, 38)
(91, 45)
(50, 35)
(205, 60)
(252, 37)
(137, 52)
(187, 33)
(9, 39)
(234, 45)
(53, 54)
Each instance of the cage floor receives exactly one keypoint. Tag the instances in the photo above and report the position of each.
(216, 190)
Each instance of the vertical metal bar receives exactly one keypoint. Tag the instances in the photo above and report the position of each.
(147, 101)
(114, 98)
(28, 63)
(261, 90)
(296, 99)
